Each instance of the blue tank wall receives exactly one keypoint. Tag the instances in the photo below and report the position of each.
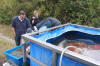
(45, 55)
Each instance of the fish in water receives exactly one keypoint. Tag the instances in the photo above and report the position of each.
(79, 43)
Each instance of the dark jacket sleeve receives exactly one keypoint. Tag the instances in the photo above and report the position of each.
(28, 23)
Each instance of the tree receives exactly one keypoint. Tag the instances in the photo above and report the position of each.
(84, 12)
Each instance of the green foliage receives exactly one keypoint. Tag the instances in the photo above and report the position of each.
(84, 12)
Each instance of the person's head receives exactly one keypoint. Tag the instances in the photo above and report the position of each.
(36, 13)
(22, 14)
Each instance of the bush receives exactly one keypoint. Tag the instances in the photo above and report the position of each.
(84, 12)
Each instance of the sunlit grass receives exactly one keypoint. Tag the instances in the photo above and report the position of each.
(4, 45)
(6, 30)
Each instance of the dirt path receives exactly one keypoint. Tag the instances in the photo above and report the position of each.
(7, 38)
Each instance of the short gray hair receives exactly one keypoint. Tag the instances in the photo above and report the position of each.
(22, 12)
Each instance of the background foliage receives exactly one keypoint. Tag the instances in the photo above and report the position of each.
(84, 12)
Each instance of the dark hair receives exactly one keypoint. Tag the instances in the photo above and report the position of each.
(21, 12)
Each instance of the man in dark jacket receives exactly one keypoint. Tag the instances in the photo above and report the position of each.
(20, 24)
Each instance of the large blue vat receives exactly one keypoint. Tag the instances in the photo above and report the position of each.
(43, 53)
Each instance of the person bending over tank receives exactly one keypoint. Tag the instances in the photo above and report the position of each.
(47, 23)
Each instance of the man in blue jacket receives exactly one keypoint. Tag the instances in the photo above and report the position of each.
(48, 23)
(20, 24)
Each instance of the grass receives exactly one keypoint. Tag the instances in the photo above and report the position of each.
(6, 30)
(4, 45)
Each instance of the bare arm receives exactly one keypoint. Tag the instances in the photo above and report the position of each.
(32, 21)
(13, 31)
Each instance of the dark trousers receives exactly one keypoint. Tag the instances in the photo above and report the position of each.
(17, 40)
